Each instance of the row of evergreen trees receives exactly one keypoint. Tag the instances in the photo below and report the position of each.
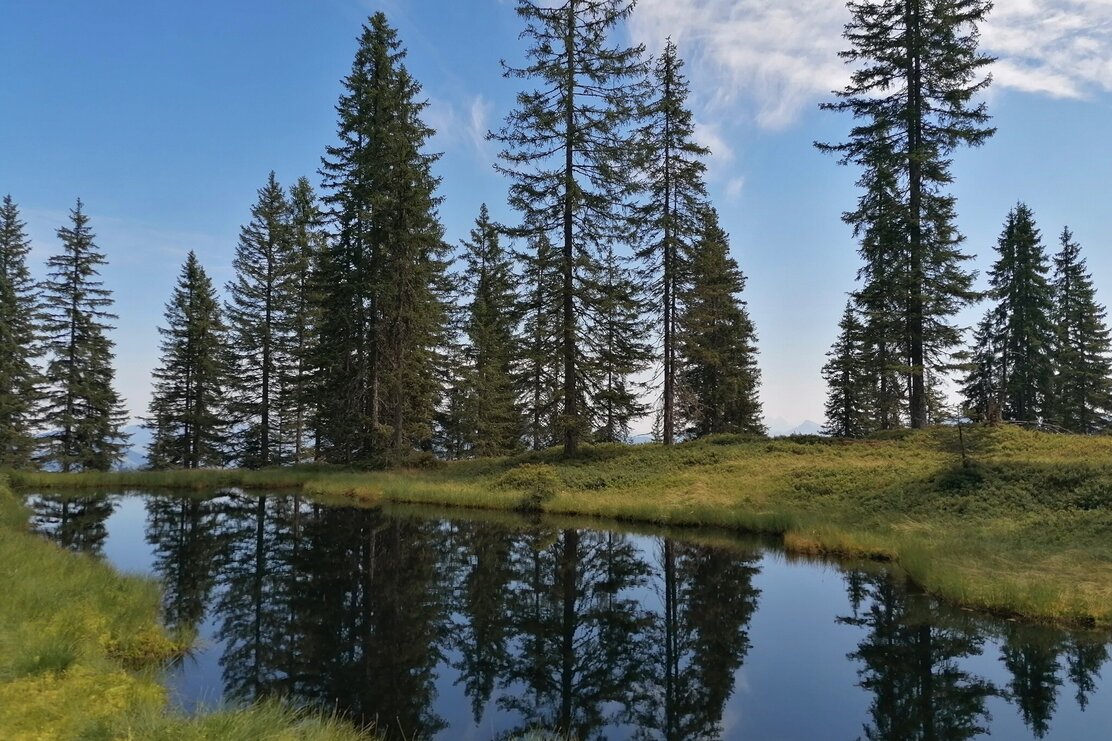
(347, 334)
(58, 406)
(914, 96)
(1042, 353)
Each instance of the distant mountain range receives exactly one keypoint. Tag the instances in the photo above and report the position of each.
(781, 427)
(136, 455)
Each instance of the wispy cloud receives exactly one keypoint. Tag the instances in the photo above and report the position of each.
(463, 122)
(734, 188)
(776, 58)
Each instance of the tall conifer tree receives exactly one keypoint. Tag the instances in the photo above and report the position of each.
(19, 314)
(982, 388)
(307, 239)
(619, 351)
(1017, 336)
(718, 343)
(258, 315)
(671, 217)
(538, 372)
(384, 312)
(912, 94)
(882, 300)
(188, 418)
(848, 397)
(567, 148)
(83, 415)
(490, 407)
(1082, 391)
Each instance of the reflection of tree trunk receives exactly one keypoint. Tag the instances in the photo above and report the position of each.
(671, 654)
(538, 640)
(257, 591)
(926, 687)
(369, 544)
(568, 572)
(63, 521)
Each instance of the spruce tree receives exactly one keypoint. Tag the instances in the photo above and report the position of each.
(619, 351)
(982, 389)
(538, 372)
(849, 396)
(1082, 391)
(307, 239)
(258, 316)
(1017, 335)
(881, 301)
(83, 415)
(568, 149)
(670, 219)
(490, 408)
(384, 310)
(453, 436)
(718, 343)
(912, 93)
(187, 411)
(19, 348)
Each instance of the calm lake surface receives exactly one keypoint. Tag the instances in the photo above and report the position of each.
(450, 625)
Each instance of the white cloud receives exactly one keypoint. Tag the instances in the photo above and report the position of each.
(776, 54)
(464, 122)
(779, 57)
(734, 188)
(710, 135)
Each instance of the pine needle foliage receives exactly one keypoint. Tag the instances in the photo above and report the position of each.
(912, 93)
(258, 315)
(1015, 340)
(384, 315)
(539, 367)
(20, 380)
(718, 342)
(1082, 388)
(188, 415)
(849, 396)
(619, 351)
(493, 420)
(567, 147)
(308, 241)
(670, 219)
(82, 414)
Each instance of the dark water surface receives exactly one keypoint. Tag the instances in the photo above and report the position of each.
(471, 626)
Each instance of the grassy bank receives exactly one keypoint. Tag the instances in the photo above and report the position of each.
(1022, 527)
(80, 646)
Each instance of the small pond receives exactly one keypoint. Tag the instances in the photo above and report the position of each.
(454, 625)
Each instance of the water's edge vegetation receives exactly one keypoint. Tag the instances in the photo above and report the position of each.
(80, 649)
(1003, 520)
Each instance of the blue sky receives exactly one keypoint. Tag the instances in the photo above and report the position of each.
(165, 117)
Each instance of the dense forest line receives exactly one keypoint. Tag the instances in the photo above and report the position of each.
(354, 333)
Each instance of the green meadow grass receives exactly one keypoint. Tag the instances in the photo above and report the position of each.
(80, 646)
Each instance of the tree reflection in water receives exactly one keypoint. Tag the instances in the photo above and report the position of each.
(384, 618)
(75, 523)
(912, 655)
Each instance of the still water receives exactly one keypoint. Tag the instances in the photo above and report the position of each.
(434, 624)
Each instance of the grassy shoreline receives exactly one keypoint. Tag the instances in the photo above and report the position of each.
(80, 649)
(1022, 528)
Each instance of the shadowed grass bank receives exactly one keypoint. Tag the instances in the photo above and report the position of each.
(1022, 525)
(80, 646)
